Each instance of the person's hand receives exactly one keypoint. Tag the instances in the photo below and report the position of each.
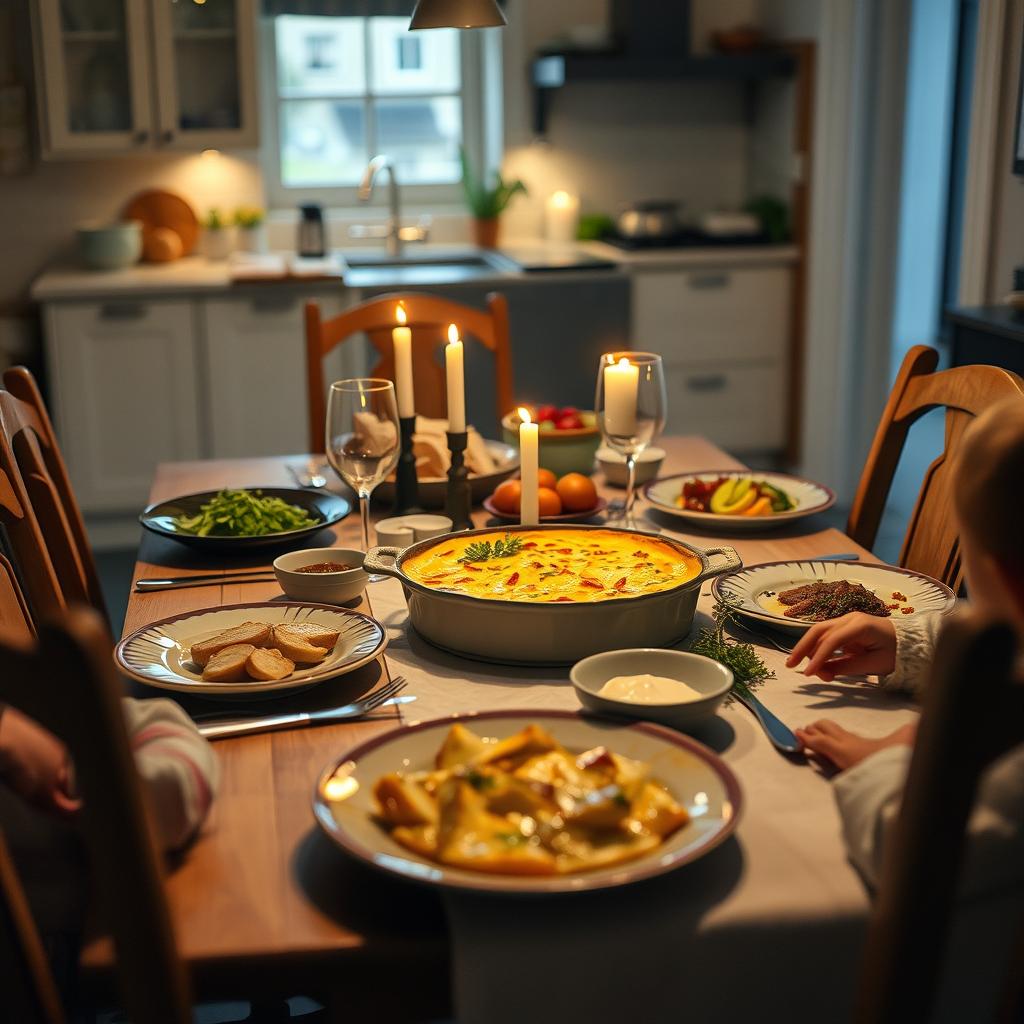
(844, 748)
(35, 763)
(855, 644)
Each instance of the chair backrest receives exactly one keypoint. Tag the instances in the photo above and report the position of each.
(428, 316)
(81, 704)
(973, 713)
(931, 544)
(15, 618)
(30, 436)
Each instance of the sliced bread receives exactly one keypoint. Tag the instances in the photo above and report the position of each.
(255, 633)
(268, 664)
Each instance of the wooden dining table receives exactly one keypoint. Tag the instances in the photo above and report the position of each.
(263, 904)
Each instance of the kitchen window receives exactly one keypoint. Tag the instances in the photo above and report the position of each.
(346, 88)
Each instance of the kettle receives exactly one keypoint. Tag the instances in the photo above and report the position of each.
(311, 231)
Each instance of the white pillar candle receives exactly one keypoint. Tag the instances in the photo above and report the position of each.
(562, 212)
(529, 461)
(456, 381)
(621, 381)
(401, 338)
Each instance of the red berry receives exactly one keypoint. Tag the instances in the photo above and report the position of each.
(570, 422)
(547, 412)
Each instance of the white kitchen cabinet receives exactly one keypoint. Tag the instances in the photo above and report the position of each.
(123, 393)
(723, 333)
(124, 76)
(255, 362)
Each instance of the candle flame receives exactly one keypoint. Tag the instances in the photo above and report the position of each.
(524, 414)
(623, 361)
(561, 198)
(453, 334)
(609, 359)
(400, 314)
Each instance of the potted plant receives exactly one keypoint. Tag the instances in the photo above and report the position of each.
(487, 203)
(252, 232)
(218, 240)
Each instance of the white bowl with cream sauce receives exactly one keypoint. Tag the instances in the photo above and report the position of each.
(672, 687)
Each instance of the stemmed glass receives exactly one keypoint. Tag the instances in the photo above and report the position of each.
(362, 438)
(630, 406)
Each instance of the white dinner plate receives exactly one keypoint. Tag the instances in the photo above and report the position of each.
(753, 589)
(697, 778)
(810, 498)
(158, 654)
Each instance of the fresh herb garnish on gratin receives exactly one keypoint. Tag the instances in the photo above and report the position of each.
(242, 513)
(484, 551)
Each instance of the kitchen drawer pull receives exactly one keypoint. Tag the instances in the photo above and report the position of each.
(709, 382)
(122, 311)
(709, 281)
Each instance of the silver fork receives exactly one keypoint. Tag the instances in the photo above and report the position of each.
(249, 726)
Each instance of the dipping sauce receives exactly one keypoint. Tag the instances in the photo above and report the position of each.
(648, 689)
(326, 567)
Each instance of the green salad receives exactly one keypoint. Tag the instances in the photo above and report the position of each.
(243, 514)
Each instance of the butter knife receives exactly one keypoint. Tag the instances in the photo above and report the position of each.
(251, 726)
(204, 580)
(777, 731)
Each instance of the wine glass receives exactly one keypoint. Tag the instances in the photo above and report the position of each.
(630, 406)
(362, 438)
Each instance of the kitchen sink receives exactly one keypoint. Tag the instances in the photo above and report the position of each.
(369, 269)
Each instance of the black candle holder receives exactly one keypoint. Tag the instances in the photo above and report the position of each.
(407, 488)
(458, 501)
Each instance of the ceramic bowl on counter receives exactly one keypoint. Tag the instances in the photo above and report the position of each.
(709, 678)
(561, 451)
(110, 246)
(613, 465)
(557, 630)
(322, 587)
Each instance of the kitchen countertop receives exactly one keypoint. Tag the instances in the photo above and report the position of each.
(198, 275)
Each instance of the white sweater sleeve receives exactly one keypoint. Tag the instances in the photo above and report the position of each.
(177, 765)
(915, 647)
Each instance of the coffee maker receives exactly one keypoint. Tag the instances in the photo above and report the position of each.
(311, 239)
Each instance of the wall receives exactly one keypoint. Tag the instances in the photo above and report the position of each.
(1007, 225)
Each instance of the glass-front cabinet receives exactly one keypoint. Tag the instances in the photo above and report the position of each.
(129, 75)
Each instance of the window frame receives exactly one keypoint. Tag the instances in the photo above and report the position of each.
(415, 197)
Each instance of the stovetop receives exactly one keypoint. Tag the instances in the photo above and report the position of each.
(687, 238)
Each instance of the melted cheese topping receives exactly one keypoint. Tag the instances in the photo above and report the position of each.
(564, 565)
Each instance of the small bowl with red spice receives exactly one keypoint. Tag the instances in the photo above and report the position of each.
(322, 575)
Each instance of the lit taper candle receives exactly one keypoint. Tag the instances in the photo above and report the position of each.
(621, 382)
(401, 339)
(529, 461)
(456, 381)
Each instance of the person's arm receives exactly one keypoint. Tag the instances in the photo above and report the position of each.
(34, 763)
(915, 648)
(177, 766)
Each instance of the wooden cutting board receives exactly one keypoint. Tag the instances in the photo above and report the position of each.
(156, 209)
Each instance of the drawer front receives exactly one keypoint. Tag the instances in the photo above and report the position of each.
(741, 408)
(713, 315)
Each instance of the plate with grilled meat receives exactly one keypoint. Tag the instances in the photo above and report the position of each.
(792, 596)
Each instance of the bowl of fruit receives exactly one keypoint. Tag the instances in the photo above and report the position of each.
(569, 437)
(566, 499)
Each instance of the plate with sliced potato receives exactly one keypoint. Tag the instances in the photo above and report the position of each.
(249, 649)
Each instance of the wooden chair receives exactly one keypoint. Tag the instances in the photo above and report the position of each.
(81, 704)
(973, 713)
(15, 618)
(30, 437)
(931, 544)
(428, 317)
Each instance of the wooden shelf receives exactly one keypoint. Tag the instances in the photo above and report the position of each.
(554, 70)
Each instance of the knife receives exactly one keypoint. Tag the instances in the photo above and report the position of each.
(205, 580)
(263, 723)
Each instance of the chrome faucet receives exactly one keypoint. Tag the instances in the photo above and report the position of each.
(393, 233)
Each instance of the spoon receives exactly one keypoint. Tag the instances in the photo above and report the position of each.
(777, 731)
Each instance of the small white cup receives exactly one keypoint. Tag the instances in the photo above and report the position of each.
(401, 531)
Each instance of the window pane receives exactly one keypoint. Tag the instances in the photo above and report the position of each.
(319, 56)
(404, 61)
(323, 142)
(422, 137)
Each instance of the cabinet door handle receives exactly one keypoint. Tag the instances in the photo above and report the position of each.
(122, 311)
(710, 382)
(709, 280)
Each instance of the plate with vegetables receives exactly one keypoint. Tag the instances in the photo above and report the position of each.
(527, 802)
(245, 518)
(738, 501)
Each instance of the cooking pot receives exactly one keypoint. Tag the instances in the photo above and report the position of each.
(518, 632)
(651, 219)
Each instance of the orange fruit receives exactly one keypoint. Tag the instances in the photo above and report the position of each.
(548, 502)
(506, 497)
(577, 492)
(545, 478)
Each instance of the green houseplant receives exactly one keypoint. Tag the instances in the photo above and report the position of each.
(218, 235)
(252, 234)
(487, 202)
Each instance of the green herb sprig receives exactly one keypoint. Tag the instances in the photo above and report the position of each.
(483, 551)
(747, 668)
(242, 513)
